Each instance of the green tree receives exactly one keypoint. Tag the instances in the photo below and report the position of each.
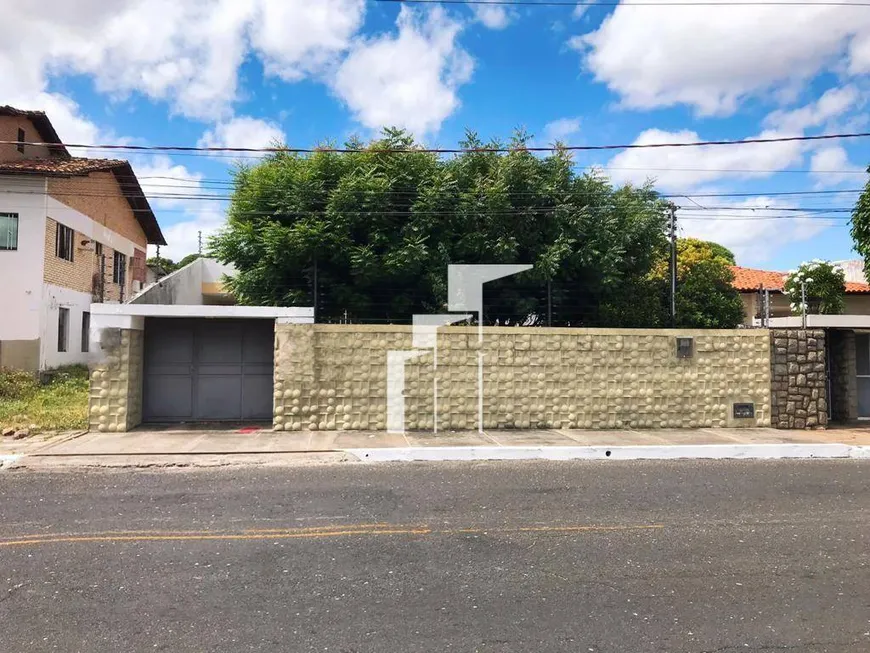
(190, 258)
(706, 298)
(378, 229)
(860, 229)
(164, 264)
(722, 251)
(825, 285)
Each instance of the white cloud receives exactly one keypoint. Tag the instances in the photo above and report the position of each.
(561, 130)
(183, 236)
(492, 16)
(408, 79)
(832, 104)
(243, 131)
(711, 58)
(747, 233)
(830, 166)
(186, 53)
(160, 178)
(299, 37)
(580, 11)
(65, 116)
(685, 168)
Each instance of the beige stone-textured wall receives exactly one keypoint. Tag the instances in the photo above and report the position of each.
(9, 126)
(335, 377)
(99, 196)
(116, 382)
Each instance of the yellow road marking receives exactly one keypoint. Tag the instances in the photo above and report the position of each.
(164, 538)
(304, 533)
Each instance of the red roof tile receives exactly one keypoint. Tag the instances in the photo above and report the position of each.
(750, 280)
(61, 167)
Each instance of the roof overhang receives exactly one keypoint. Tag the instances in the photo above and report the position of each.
(43, 126)
(135, 196)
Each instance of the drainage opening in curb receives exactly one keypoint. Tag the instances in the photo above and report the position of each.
(607, 453)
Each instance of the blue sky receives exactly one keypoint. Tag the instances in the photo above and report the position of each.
(246, 72)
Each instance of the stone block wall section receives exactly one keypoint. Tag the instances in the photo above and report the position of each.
(334, 377)
(115, 403)
(800, 398)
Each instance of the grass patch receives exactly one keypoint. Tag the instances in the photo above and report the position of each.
(59, 405)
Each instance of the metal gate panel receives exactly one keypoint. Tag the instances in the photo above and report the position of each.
(208, 369)
(167, 392)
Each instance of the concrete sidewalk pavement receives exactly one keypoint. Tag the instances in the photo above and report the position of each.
(196, 447)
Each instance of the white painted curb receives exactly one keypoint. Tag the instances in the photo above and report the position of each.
(672, 452)
(8, 460)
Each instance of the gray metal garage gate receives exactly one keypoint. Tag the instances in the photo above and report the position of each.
(208, 369)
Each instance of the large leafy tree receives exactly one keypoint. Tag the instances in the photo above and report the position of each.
(861, 226)
(378, 227)
(706, 298)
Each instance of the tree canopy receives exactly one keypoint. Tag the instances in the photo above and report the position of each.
(860, 229)
(824, 284)
(377, 227)
(706, 298)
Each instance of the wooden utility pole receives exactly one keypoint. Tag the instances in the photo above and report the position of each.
(672, 229)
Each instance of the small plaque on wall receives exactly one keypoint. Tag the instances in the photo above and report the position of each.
(742, 411)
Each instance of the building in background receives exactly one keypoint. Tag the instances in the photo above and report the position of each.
(72, 231)
(751, 282)
(854, 269)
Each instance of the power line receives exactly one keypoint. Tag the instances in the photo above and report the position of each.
(108, 188)
(423, 150)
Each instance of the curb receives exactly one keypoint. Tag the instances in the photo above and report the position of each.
(658, 452)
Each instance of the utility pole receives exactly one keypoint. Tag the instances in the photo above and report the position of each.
(199, 243)
(803, 304)
(672, 229)
(315, 290)
(549, 303)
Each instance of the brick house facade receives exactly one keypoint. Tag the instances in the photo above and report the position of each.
(72, 231)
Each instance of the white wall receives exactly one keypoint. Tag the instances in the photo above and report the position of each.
(55, 297)
(71, 218)
(21, 271)
(28, 306)
(184, 286)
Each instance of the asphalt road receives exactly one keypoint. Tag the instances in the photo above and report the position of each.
(643, 556)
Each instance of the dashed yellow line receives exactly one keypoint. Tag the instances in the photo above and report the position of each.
(304, 533)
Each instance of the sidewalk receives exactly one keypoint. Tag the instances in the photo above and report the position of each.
(143, 447)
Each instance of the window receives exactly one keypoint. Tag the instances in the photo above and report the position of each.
(8, 231)
(62, 328)
(119, 268)
(86, 332)
(21, 140)
(63, 242)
